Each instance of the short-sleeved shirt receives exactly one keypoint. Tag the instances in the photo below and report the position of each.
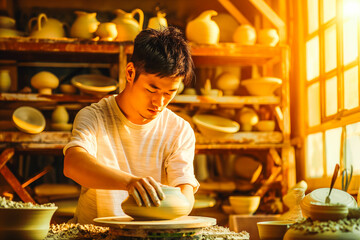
(163, 149)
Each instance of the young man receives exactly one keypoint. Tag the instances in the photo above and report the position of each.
(131, 143)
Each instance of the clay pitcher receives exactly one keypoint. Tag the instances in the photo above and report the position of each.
(173, 206)
(203, 29)
(46, 27)
(126, 25)
(84, 26)
(159, 22)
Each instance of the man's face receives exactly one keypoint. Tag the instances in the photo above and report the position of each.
(149, 96)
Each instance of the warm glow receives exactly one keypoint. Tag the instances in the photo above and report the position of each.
(351, 8)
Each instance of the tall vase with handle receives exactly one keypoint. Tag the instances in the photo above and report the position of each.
(84, 26)
(127, 26)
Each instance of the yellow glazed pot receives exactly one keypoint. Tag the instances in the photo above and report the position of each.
(44, 81)
(159, 22)
(268, 37)
(203, 29)
(46, 27)
(173, 206)
(245, 35)
(107, 31)
(60, 115)
(126, 25)
(84, 26)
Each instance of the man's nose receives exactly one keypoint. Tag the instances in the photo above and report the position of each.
(158, 100)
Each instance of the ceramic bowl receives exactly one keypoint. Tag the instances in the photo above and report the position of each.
(245, 205)
(273, 230)
(29, 120)
(265, 125)
(94, 84)
(264, 86)
(6, 32)
(174, 205)
(25, 223)
(214, 126)
(67, 88)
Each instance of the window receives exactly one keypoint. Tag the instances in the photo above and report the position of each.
(332, 90)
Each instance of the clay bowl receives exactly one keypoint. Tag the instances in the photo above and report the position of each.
(25, 223)
(173, 206)
(273, 230)
(245, 205)
(214, 126)
(94, 84)
(265, 125)
(264, 86)
(29, 120)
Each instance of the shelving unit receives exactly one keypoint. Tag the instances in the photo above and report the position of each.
(25, 50)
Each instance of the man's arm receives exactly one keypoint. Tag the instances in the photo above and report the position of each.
(188, 191)
(84, 169)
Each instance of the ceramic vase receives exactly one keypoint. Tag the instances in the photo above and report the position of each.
(268, 37)
(44, 81)
(84, 26)
(46, 27)
(107, 31)
(60, 115)
(173, 206)
(127, 26)
(245, 35)
(5, 80)
(159, 22)
(203, 29)
(228, 83)
(247, 118)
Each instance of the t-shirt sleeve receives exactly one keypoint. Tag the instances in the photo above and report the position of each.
(84, 131)
(180, 163)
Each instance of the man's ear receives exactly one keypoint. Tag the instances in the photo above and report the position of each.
(130, 72)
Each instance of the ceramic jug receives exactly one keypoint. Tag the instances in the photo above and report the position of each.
(5, 80)
(203, 29)
(60, 115)
(46, 27)
(84, 26)
(245, 35)
(126, 25)
(268, 36)
(174, 205)
(107, 31)
(159, 22)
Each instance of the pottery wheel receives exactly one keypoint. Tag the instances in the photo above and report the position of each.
(179, 227)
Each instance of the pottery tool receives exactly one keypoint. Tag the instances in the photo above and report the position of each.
(336, 170)
(346, 178)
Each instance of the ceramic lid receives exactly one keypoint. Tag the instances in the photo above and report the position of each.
(337, 197)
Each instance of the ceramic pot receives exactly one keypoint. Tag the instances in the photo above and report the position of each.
(227, 25)
(46, 27)
(173, 206)
(245, 35)
(159, 22)
(5, 80)
(60, 115)
(203, 29)
(268, 36)
(107, 31)
(44, 81)
(228, 83)
(247, 118)
(84, 26)
(7, 22)
(126, 25)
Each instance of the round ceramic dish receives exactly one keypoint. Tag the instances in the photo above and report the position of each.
(94, 84)
(323, 211)
(29, 120)
(246, 205)
(215, 126)
(25, 223)
(264, 86)
(272, 230)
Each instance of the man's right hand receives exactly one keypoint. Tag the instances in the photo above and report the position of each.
(146, 191)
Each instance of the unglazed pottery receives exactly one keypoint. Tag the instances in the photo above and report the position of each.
(46, 27)
(228, 83)
(127, 26)
(247, 117)
(245, 35)
(60, 115)
(273, 230)
(323, 212)
(94, 84)
(227, 25)
(173, 206)
(159, 22)
(268, 37)
(29, 120)
(7, 22)
(44, 81)
(107, 31)
(245, 205)
(84, 26)
(213, 126)
(203, 29)
(25, 223)
(5, 80)
(263, 86)
(265, 125)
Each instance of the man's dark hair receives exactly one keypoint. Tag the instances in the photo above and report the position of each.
(164, 53)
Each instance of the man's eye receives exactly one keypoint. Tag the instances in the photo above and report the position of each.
(150, 91)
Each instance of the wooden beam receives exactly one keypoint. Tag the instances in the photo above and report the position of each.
(234, 12)
(5, 156)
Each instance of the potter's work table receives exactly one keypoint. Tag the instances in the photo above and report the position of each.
(93, 232)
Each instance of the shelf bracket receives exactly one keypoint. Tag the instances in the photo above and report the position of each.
(234, 12)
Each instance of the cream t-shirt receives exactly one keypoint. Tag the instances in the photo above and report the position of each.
(163, 149)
